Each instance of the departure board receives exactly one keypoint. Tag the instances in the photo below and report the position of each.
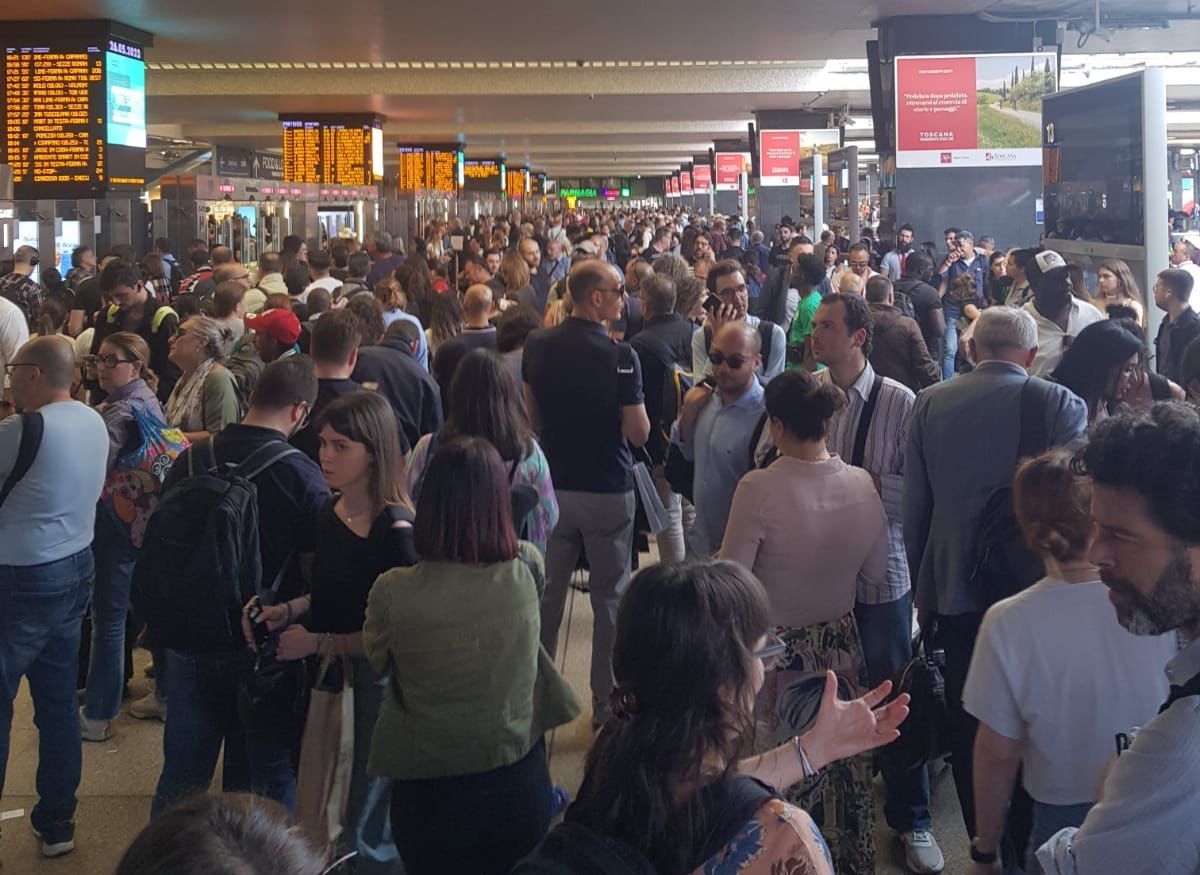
(515, 182)
(74, 110)
(483, 175)
(537, 183)
(428, 168)
(331, 150)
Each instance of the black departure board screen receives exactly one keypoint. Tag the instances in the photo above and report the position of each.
(428, 168)
(74, 110)
(537, 183)
(332, 150)
(483, 174)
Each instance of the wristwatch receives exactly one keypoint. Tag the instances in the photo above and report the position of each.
(978, 856)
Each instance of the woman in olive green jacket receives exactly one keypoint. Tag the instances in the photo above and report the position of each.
(471, 690)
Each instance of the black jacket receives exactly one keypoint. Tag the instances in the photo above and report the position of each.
(1171, 342)
(663, 342)
(390, 370)
(159, 324)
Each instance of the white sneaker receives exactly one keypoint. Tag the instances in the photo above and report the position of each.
(94, 730)
(921, 852)
(149, 707)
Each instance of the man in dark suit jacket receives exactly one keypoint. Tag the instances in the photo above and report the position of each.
(949, 475)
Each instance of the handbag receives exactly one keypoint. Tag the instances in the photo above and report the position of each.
(924, 735)
(273, 694)
(327, 754)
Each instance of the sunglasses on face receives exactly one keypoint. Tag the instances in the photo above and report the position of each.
(733, 362)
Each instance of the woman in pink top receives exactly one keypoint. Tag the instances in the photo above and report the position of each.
(810, 527)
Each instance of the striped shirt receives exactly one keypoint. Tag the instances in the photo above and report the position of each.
(883, 457)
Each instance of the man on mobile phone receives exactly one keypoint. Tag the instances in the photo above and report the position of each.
(728, 300)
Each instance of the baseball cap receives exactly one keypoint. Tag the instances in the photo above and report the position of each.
(1046, 264)
(588, 247)
(282, 325)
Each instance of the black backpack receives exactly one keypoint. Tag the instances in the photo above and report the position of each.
(924, 734)
(200, 561)
(1004, 566)
(573, 849)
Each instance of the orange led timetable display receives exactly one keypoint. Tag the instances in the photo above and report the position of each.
(332, 149)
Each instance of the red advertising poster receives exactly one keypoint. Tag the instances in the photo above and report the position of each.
(702, 178)
(779, 156)
(730, 166)
(673, 186)
(972, 110)
(685, 182)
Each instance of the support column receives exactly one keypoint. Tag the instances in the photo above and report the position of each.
(775, 202)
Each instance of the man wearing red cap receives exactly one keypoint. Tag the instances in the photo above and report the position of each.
(275, 333)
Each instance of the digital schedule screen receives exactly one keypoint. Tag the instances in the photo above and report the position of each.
(482, 174)
(332, 150)
(74, 110)
(515, 182)
(428, 168)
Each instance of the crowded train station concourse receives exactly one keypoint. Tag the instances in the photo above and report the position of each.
(753, 439)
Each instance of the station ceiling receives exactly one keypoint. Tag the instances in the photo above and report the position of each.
(617, 88)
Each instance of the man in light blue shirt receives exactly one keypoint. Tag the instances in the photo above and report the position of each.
(730, 297)
(714, 428)
(1145, 471)
(46, 522)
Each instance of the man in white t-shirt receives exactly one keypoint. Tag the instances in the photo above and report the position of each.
(1059, 315)
(1181, 257)
(14, 331)
(1051, 695)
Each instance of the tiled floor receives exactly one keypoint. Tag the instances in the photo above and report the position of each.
(119, 778)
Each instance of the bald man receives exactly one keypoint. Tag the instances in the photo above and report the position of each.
(714, 429)
(478, 333)
(46, 527)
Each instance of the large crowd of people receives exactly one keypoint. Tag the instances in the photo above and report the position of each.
(342, 495)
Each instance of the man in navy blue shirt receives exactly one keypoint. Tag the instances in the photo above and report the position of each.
(584, 395)
(961, 258)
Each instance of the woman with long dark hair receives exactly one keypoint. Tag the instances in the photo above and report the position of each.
(446, 321)
(485, 401)
(1115, 285)
(417, 284)
(668, 775)
(471, 690)
(1101, 366)
(364, 530)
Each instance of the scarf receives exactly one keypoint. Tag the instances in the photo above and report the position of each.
(185, 407)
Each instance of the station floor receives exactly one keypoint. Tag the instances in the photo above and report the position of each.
(119, 777)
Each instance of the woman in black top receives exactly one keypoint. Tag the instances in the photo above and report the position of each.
(364, 530)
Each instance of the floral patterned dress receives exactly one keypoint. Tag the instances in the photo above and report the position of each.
(533, 471)
(779, 840)
(839, 797)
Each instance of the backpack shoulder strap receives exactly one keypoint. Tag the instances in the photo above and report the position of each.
(1035, 396)
(32, 428)
(708, 336)
(264, 457)
(766, 333)
(159, 315)
(755, 437)
(864, 424)
(737, 804)
(205, 449)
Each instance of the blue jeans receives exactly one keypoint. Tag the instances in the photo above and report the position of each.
(115, 557)
(203, 715)
(1047, 820)
(949, 348)
(41, 614)
(886, 633)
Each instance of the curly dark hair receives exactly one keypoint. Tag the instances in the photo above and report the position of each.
(1153, 453)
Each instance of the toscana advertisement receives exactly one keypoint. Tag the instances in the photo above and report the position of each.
(972, 110)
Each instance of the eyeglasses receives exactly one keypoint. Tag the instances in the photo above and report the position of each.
(619, 290)
(732, 292)
(772, 653)
(307, 414)
(733, 362)
(860, 265)
(110, 360)
(9, 368)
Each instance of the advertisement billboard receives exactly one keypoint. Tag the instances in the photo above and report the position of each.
(685, 182)
(972, 110)
(702, 178)
(730, 167)
(780, 153)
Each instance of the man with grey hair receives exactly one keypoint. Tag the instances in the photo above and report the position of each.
(948, 484)
(380, 247)
(961, 258)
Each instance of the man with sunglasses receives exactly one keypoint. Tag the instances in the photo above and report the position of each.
(583, 392)
(202, 707)
(714, 429)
